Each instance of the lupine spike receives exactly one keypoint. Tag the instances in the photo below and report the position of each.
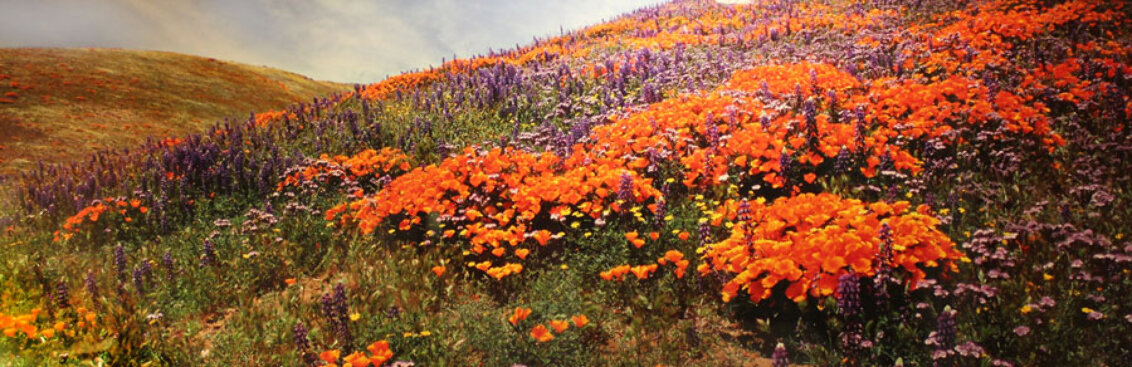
(92, 289)
(120, 261)
(779, 358)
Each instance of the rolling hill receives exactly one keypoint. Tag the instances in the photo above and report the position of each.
(832, 183)
(61, 104)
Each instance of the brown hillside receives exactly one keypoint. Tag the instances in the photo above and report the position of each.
(59, 104)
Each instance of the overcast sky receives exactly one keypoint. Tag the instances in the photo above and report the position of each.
(337, 40)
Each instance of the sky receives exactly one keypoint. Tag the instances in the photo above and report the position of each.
(358, 41)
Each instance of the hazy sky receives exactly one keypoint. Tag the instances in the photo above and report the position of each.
(338, 40)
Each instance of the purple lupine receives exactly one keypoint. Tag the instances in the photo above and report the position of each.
(625, 190)
(810, 113)
(798, 95)
(853, 341)
(814, 82)
(209, 258)
(779, 358)
(302, 343)
(744, 212)
(860, 127)
(62, 295)
(139, 280)
(120, 261)
(92, 288)
(711, 131)
(944, 337)
(784, 163)
(336, 311)
(147, 270)
(884, 268)
(849, 295)
(705, 234)
(167, 263)
(661, 211)
(841, 164)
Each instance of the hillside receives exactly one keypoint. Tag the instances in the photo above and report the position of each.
(858, 183)
(59, 105)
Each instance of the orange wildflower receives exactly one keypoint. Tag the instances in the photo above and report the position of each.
(381, 352)
(580, 320)
(330, 356)
(357, 359)
(559, 325)
(438, 270)
(519, 314)
(541, 334)
(542, 236)
(633, 239)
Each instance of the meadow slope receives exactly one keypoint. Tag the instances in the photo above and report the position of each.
(60, 105)
(816, 182)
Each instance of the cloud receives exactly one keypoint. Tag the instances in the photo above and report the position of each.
(346, 41)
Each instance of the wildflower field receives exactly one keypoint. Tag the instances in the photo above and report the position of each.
(832, 182)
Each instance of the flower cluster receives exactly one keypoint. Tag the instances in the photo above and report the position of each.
(113, 212)
(348, 172)
(379, 353)
(540, 332)
(809, 241)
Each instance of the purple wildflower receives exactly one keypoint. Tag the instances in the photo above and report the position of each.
(92, 288)
(841, 165)
(625, 190)
(139, 280)
(120, 261)
(167, 263)
(849, 295)
(302, 343)
(62, 296)
(779, 358)
(209, 258)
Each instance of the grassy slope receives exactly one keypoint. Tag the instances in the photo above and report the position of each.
(243, 301)
(60, 104)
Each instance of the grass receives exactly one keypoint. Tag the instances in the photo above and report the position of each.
(60, 105)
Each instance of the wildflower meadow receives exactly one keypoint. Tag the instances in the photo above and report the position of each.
(782, 182)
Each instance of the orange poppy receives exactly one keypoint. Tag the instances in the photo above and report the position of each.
(519, 314)
(541, 334)
(580, 320)
(357, 359)
(381, 352)
(330, 356)
(559, 325)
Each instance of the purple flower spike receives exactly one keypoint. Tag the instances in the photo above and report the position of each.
(779, 358)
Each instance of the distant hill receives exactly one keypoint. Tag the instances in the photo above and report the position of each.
(60, 104)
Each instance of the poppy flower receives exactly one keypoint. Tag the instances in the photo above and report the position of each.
(580, 320)
(357, 359)
(541, 334)
(559, 325)
(330, 356)
(381, 352)
(519, 314)
(633, 238)
(438, 270)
